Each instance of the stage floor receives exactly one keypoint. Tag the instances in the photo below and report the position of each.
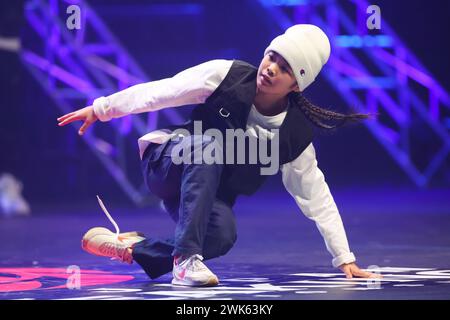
(279, 253)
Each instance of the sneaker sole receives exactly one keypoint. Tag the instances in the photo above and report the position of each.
(95, 231)
(213, 281)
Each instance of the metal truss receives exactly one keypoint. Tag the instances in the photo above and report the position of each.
(76, 66)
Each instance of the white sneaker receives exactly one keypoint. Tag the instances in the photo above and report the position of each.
(103, 242)
(192, 272)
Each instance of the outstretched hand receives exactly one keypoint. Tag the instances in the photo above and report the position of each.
(352, 270)
(86, 114)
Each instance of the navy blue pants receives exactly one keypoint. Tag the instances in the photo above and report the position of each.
(205, 225)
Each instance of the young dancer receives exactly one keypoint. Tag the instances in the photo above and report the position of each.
(199, 196)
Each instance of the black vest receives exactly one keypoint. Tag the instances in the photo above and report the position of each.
(228, 108)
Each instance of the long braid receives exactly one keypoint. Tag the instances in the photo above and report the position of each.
(318, 115)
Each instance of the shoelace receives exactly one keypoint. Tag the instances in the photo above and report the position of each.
(194, 263)
(109, 216)
(111, 248)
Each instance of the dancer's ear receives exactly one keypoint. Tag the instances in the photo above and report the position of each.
(295, 87)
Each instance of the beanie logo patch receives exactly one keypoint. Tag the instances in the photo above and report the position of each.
(302, 72)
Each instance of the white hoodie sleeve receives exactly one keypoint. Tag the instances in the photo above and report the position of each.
(304, 180)
(191, 86)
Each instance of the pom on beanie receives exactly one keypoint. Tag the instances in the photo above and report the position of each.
(306, 48)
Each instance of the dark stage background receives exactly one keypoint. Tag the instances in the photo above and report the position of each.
(57, 167)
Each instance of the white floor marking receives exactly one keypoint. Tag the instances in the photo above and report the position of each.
(408, 285)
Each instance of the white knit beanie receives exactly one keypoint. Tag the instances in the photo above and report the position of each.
(306, 48)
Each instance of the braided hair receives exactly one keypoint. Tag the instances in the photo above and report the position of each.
(319, 116)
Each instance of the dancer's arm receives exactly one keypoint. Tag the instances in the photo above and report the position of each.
(306, 183)
(191, 86)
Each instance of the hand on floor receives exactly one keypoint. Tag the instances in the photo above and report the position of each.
(352, 270)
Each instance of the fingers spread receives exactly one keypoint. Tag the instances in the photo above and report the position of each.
(69, 120)
(65, 116)
(84, 127)
(375, 275)
(348, 273)
(364, 274)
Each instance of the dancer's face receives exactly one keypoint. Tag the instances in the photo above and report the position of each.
(275, 76)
